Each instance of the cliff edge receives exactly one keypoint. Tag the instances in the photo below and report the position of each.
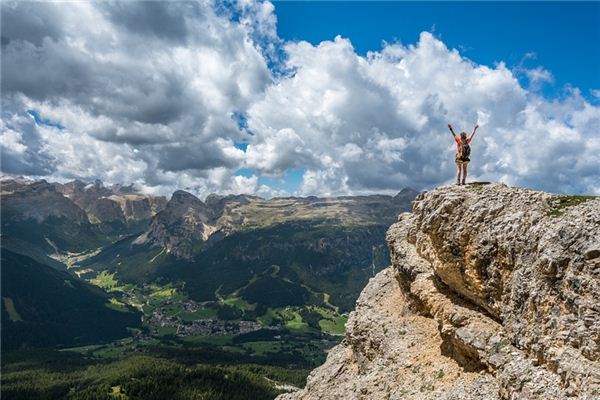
(493, 293)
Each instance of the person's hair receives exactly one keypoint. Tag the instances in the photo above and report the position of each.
(463, 135)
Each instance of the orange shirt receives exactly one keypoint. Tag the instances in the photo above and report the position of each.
(459, 142)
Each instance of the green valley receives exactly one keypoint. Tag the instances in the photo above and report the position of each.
(44, 307)
(237, 289)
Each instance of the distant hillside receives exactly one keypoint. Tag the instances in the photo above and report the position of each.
(41, 219)
(44, 307)
(38, 219)
(187, 224)
(236, 279)
(247, 259)
(320, 247)
(115, 209)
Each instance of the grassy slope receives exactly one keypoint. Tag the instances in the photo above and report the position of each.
(66, 235)
(313, 259)
(55, 308)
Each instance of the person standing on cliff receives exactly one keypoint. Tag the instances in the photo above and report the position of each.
(463, 155)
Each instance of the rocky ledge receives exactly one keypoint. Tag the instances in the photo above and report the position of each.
(493, 294)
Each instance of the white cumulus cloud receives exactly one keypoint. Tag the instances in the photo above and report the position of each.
(165, 78)
(378, 123)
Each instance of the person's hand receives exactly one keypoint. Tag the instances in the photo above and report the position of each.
(476, 127)
(450, 126)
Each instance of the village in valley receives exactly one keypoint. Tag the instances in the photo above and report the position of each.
(162, 320)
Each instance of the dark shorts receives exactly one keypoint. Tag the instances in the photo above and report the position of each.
(462, 160)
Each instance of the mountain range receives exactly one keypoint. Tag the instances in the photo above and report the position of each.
(244, 258)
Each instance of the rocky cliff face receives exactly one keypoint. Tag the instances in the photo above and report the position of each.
(102, 202)
(37, 220)
(105, 210)
(41, 218)
(187, 223)
(38, 201)
(83, 194)
(493, 294)
(183, 224)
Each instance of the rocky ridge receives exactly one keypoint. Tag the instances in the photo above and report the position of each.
(187, 223)
(78, 201)
(492, 295)
(49, 220)
(182, 225)
(115, 203)
(37, 201)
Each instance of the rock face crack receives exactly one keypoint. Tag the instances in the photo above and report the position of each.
(490, 296)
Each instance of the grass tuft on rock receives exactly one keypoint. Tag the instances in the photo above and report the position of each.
(558, 204)
(477, 185)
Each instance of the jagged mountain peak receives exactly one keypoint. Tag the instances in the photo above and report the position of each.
(92, 197)
(181, 196)
(407, 190)
(181, 226)
(184, 203)
(38, 200)
(186, 221)
(405, 194)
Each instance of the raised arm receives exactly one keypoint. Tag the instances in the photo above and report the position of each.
(473, 134)
(451, 130)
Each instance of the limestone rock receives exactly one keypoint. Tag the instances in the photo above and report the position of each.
(38, 201)
(95, 198)
(187, 224)
(181, 226)
(105, 210)
(492, 295)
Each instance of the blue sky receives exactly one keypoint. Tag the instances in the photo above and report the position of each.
(564, 36)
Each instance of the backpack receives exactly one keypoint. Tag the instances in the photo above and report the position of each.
(465, 149)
